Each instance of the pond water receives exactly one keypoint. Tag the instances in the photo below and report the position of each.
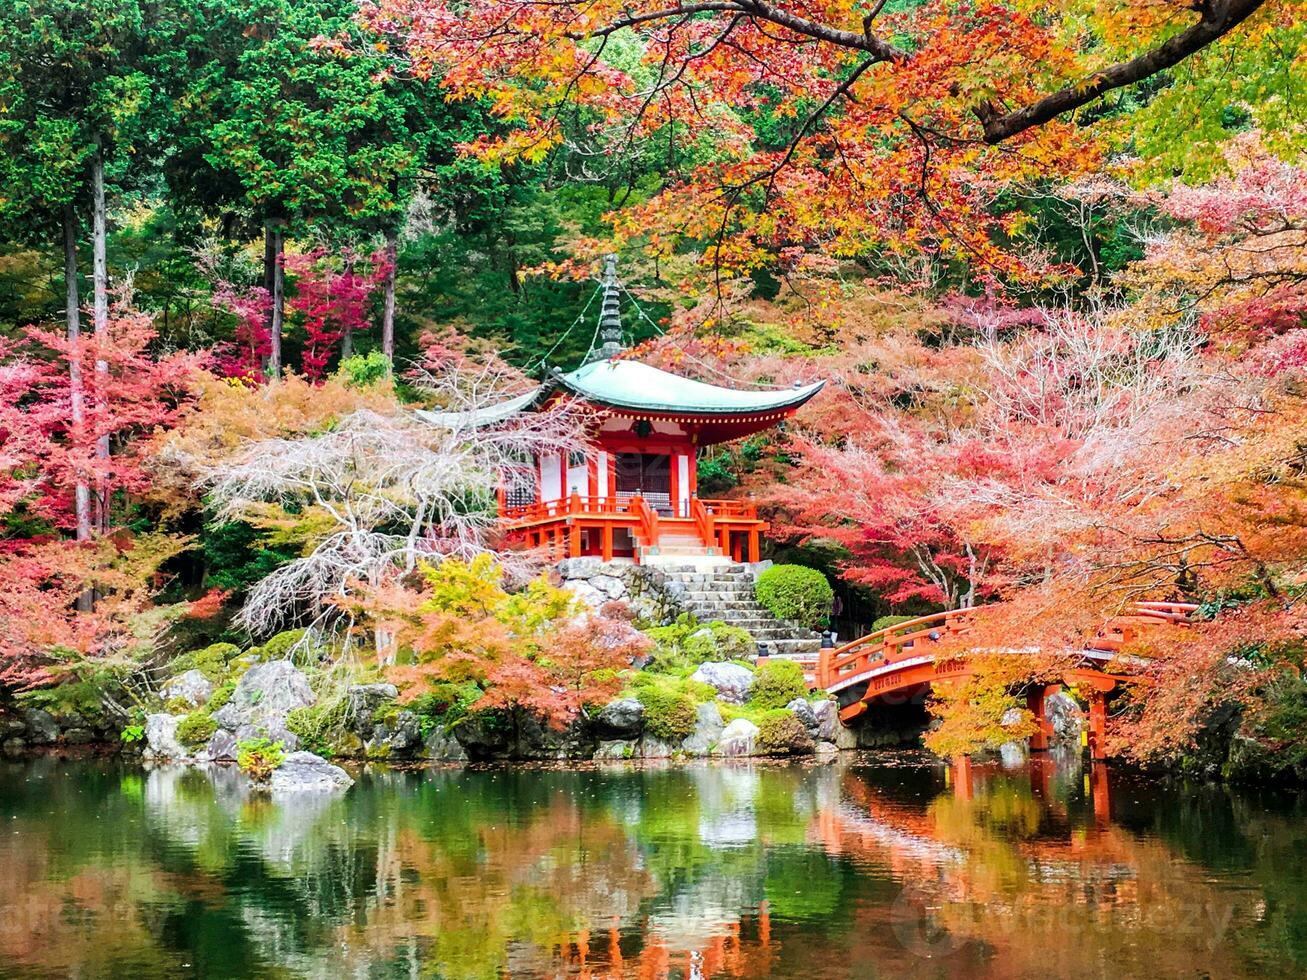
(869, 867)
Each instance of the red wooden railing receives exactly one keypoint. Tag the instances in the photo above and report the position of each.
(647, 530)
(703, 521)
(905, 640)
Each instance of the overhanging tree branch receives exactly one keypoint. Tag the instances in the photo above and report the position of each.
(1216, 18)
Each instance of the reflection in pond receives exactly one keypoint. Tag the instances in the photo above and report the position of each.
(858, 869)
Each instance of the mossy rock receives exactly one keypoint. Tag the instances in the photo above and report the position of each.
(781, 733)
(279, 647)
(220, 697)
(196, 729)
(211, 661)
(669, 713)
(777, 683)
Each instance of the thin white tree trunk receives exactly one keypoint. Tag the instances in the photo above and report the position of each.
(274, 247)
(388, 305)
(76, 389)
(100, 314)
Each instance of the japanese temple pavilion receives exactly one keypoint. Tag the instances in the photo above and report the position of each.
(634, 493)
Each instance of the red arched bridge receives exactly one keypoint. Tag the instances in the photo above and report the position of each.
(899, 664)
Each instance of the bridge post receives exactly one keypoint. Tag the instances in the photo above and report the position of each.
(1035, 703)
(1097, 725)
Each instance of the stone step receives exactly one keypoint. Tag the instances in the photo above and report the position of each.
(792, 648)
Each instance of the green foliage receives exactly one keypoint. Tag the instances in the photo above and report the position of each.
(683, 645)
(444, 705)
(221, 696)
(796, 593)
(317, 724)
(777, 683)
(279, 647)
(781, 733)
(258, 757)
(364, 370)
(669, 709)
(211, 661)
(196, 728)
(82, 699)
(715, 475)
(132, 733)
(885, 622)
(236, 555)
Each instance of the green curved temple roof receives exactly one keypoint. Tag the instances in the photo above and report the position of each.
(640, 387)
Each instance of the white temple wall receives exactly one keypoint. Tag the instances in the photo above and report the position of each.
(682, 462)
(578, 478)
(604, 489)
(551, 477)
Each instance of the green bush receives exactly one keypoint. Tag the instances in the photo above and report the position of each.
(683, 645)
(780, 733)
(669, 711)
(196, 729)
(885, 622)
(797, 593)
(220, 697)
(777, 683)
(211, 661)
(280, 646)
(363, 370)
(258, 757)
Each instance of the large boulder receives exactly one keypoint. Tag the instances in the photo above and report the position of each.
(825, 720)
(304, 772)
(192, 687)
(364, 700)
(802, 709)
(620, 719)
(265, 695)
(619, 748)
(222, 747)
(730, 681)
(399, 736)
(708, 728)
(443, 747)
(739, 738)
(42, 729)
(1064, 714)
(161, 738)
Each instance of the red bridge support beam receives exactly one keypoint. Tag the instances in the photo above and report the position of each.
(1097, 725)
(1035, 697)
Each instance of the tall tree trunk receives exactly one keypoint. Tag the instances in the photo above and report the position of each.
(76, 390)
(347, 335)
(274, 244)
(388, 305)
(100, 315)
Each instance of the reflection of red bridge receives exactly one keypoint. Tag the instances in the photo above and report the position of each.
(898, 664)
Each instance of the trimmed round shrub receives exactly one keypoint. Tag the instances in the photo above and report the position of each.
(885, 622)
(780, 733)
(777, 683)
(669, 714)
(797, 593)
(196, 729)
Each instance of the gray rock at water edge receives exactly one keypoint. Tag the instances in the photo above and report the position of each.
(15, 745)
(265, 695)
(443, 747)
(364, 700)
(620, 719)
(161, 738)
(618, 748)
(826, 721)
(802, 709)
(402, 737)
(611, 586)
(42, 729)
(304, 772)
(730, 681)
(708, 728)
(1012, 755)
(192, 687)
(78, 736)
(826, 751)
(222, 747)
(655, 748)
(739, 738)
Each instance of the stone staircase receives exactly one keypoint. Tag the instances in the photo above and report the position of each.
(725, 591)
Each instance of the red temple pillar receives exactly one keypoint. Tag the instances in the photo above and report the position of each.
(1097, 725)
(1035, 703)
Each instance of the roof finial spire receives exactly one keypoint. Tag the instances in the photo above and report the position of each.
(610, 318)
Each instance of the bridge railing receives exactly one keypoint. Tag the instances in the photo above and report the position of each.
(905, 640)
